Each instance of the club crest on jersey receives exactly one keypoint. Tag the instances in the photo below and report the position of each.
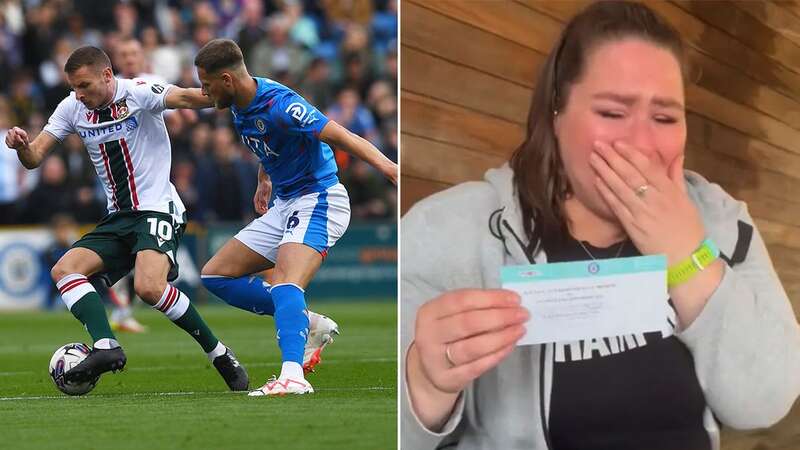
(301, 114)
(157, 88)
(260, 125)
(122, 109)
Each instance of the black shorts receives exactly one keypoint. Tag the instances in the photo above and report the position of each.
(120, 235)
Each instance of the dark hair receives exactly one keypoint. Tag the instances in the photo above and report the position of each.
(219, 54)
(87, 56)
(539, 175)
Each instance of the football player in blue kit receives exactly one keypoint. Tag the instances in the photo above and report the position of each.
(293, 141)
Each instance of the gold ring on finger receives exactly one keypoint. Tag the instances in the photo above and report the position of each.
(448, 356)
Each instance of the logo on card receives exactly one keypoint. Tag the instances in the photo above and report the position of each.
(260, 125)
(594, 268)
(529, 274)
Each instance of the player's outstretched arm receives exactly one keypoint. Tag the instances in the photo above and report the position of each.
(191, 98)
(338, 136)
(30, 154)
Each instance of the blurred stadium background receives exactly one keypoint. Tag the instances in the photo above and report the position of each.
(340, 55)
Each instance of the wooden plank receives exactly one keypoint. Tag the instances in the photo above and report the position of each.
(723, 139)
(708, 40)
(422, 29)
(739, 176)
(742, 118)
(560, 10)
(443, 122)
(745, 29)
(734, 85)
(415, 189)
(788, 258)
(769, 208)
(436, 78)
(773, 16)
(721, 47)
(509, 20)
(786, 235)
(792, 6)
(431, 160)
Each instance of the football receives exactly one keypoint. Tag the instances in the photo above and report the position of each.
(64, 359)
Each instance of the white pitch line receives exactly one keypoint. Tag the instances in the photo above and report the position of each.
(192, 366)
(265, 364)
(175, 394)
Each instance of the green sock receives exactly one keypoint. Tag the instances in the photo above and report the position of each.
(89, 310)
(192, 323)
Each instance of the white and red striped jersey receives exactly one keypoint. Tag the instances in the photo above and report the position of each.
(128, 144)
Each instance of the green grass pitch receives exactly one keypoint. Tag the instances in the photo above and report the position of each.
(170, 397)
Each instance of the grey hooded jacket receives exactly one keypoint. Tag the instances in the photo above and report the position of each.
(745, 343)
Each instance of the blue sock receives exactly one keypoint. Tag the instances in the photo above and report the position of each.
(251, 294)
(291, 321)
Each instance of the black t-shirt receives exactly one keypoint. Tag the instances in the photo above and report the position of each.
(625, 392)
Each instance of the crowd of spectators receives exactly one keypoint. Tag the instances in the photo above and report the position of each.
(340, 55)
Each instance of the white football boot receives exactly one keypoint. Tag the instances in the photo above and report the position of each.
(283, 386)
(320, 333)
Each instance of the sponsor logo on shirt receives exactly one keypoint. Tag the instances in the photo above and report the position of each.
(131, 124)
(102, 131)
(300, 113)
(258, 146)
(157, 88)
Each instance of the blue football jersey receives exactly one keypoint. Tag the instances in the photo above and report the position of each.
(283, 129)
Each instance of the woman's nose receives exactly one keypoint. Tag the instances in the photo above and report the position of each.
(641, 136)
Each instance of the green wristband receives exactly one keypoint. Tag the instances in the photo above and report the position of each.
(691, 266)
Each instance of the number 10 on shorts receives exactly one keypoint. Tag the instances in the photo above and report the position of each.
(160, 228)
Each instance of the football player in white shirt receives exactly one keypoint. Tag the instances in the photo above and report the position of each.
(130, 61)
(122, 127)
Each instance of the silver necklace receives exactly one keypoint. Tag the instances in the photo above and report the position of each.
(619, 251)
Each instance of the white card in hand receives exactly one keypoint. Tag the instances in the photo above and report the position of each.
(590, 299)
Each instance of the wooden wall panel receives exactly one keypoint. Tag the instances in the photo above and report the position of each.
(775, 17)
(453, 124)
(468, 70)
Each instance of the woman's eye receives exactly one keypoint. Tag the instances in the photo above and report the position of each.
(665, 119)
(611, 114)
